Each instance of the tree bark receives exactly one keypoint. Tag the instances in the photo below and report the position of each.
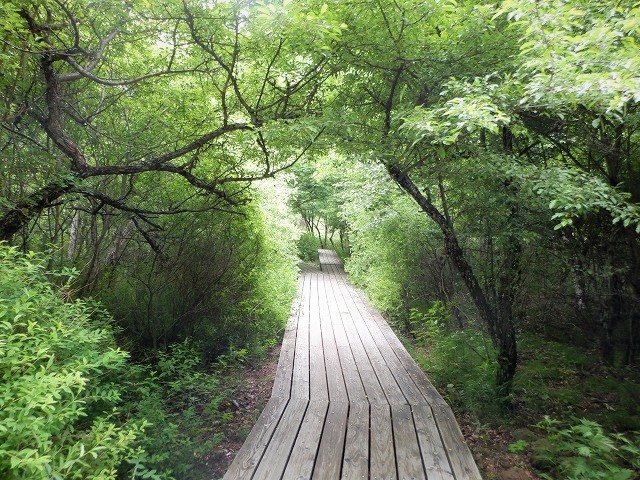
(499, 325)
(13, 219)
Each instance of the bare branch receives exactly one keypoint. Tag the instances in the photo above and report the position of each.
(84, 71)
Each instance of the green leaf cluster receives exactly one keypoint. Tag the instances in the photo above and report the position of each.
(58, 391)
(584, 451)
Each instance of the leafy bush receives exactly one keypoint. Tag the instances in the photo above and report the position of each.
(227, 280)
(584, 451)
(460, 362)
(58, 391)
(181, 403)
(308, 245)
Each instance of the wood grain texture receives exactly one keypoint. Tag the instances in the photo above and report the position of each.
(253, 448)
(329, 462)
(408, 456)
(282, 383)
(462, 463)
(333, 367)
(355, 462)
(300, 376)
(383, 460)
(318, 389)
(276, 455)
(434, 456)
(305, 450)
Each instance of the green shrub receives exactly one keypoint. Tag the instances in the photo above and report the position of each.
(308, 245)
(183, 404)
(519, 446)
(58, 390)
(584, 451)
(461, 363)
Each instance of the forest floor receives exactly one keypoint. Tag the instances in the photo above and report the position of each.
(490, 450)
(250, 388)
(250, 391)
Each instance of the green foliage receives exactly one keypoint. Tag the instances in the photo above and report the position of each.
(562, 379)
(584, 451)
(469, 107)
(518, 446)
(578, 52)
(573, 195)
(59, 393)
(308, 246)
(460, 362)
(390, 243)
(317, 200)
(181, 402)
(226, 280)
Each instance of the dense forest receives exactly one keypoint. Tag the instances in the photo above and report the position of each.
(165, 165)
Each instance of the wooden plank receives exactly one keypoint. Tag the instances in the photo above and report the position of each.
(462, 463)
(253, 448)
(329, 460)
(431, 395)
(284, 372)
(355, 463)
(305, 450)
(372, 387)
(352, 379)
(335, 377)
(407, 449)
(407, 387)
(375, 392)
(300, 376)
(276, 455)
(434, 456)
(318, 390)
(383, 462)
(338, 348)
(384, 371)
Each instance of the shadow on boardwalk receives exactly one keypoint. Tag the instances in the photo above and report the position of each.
(348, 400)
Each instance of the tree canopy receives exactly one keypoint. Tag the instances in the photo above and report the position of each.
(478, 160)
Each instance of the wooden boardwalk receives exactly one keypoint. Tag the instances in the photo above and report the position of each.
(348, 401)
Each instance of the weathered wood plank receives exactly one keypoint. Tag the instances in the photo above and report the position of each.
(300, 377)
(462, 463)
(407, 386)
(253, 448)
(383, 460)
(352, 379)
(349, 401)
(355, 464)
(277, 453)
(434, 456)
(318, 389)
(431, 395)
(367, 371)
(406, 442)
(334, 370)
(305, 450)
(284, 372)
(381, 362)
(329, 460)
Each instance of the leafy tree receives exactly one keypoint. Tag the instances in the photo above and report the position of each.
(317, 201)
(151, 89)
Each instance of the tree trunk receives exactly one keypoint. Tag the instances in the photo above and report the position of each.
(500, 326)
(14, 219)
